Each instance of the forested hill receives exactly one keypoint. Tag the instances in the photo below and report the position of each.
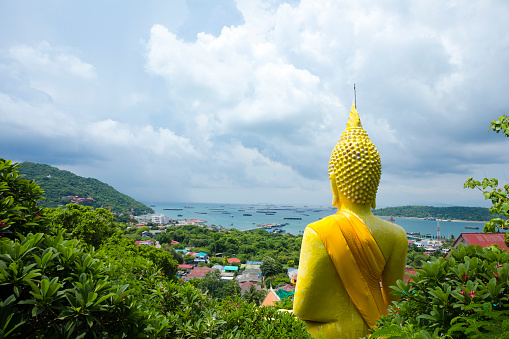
(455, 212)
(61, 186)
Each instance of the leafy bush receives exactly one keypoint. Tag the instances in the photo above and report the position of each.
(463, 296)
(19, 212)
(50, 287)
(499, 196)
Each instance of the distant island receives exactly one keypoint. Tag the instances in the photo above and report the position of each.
(444, 213)
(63, 187)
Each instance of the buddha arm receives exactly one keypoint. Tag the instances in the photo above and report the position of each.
(317, 278)
(395, 267)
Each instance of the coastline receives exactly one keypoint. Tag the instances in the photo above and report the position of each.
(452, 220)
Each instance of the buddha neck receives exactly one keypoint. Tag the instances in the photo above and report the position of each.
(357, 209)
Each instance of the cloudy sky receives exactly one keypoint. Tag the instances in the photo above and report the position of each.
(243, 100)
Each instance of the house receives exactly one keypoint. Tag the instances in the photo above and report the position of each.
(231, 269)
(198, 272)
(233, 260)
(220, 268)
(144, 242)
(174, 242)
(248, 277)
(288, 288)
(271, 298)
(200, 257)
(182, 251)
(245, 286)
(146, 234)
(227, 276)
(292, 274)
(481, 239)
(185, 269)
(254, 263)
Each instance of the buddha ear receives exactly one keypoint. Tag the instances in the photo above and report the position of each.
(373, 203)
(335, 194)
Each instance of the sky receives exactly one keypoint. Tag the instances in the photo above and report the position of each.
(242, 101)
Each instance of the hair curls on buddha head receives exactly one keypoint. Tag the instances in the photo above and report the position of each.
(354, 165)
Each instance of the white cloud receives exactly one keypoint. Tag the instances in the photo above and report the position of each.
(255, 108)
(55, 61)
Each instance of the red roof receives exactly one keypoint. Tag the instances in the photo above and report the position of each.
(481, 239)
(288, 288)
(247, 285)
(199, 272)
(409, 273)
(186, 266)
(174, 242)
(144, 242)
(232, 260)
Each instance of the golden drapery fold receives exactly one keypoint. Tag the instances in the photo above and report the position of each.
(358, 261)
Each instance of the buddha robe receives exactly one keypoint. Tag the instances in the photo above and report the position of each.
(357, 259)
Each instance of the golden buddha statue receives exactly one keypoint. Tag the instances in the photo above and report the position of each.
(348, 260)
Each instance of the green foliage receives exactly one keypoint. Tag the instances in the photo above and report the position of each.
(84, 223)
(254, 296)
(243, 245)
(500, 199)
(416, 258)
(271, 267)
(285, 303)
(50, 287)
(19, 212)
(499, 196)
(213, 285)
(501, 125)
(455, 212)
(56, 287)
(59, 184)
(463, 296)
(121, 252)
(277, 280)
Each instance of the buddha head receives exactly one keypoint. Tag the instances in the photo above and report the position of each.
(354, 165)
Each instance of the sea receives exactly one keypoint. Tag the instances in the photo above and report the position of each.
(294, 217)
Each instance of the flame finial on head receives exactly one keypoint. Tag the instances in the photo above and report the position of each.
(355, 163)
(353, 120)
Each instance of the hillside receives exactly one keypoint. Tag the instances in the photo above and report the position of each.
(455, 212)
(61, 186)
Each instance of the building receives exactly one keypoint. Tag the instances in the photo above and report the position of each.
(292, 274)
(231, 269)
(481, 239)
(271, 298)
(144, 242)
(233, 260)
(198, 272)
(160, 219)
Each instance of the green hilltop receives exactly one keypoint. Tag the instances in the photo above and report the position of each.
(61, 186)
(454, 212)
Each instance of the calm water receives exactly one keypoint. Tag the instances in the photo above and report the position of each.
(237, 216)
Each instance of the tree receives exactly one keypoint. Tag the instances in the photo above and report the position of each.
(499, 196)
(254, 296)
(271, 267)
(213, 285)
(19, 212)
(84, 223)
(462, 296)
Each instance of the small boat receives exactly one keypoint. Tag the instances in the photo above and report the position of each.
(391, 219)
(247, 214)
(472, 227)
(293, 218)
